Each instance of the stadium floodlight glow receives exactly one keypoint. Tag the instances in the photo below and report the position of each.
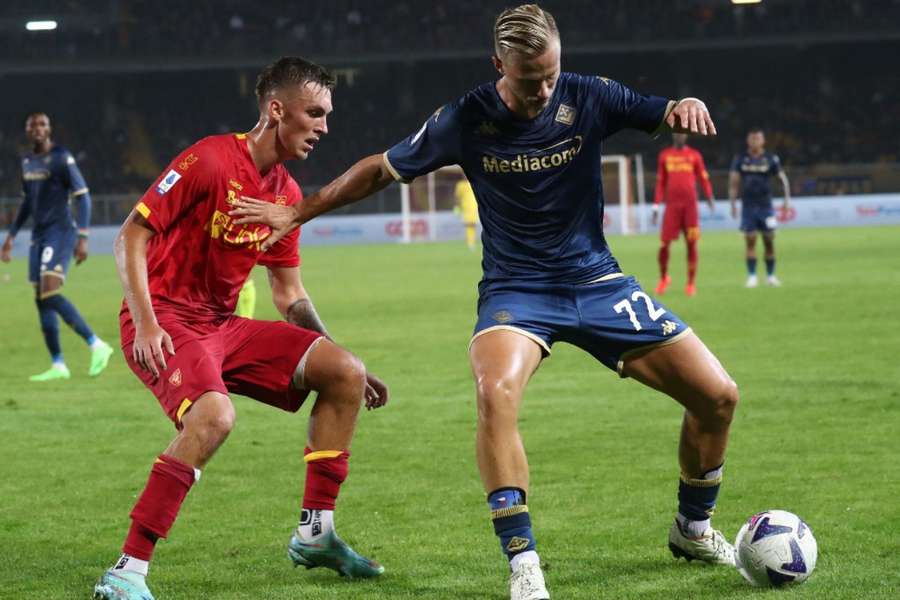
(746, 1)
(40, 25)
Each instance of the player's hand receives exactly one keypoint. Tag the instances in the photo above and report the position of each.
(279, 218)
(376, 392)
(6, 250)
(734, 214)
(81, 250)
(147, 350)
(690, 115)
(654, 218)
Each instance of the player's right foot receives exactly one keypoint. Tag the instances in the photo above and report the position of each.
(663, 285)
(100, 358)
(57, 371)
(711, 547)
(121, 585)
(690, 289)
(752, 282)
(773, 281)
(332, 552)
(527, 583)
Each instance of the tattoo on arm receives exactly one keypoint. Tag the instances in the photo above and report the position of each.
(303, 314)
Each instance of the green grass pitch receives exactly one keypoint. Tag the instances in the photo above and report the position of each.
(817, 432)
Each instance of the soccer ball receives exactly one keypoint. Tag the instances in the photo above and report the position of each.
(775, 548)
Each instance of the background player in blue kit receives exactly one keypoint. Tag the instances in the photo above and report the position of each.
(530, 145)
(49, 178)
(750, 173)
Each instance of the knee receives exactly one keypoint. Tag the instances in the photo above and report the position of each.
(497, 400)
(349, 373)
(724, 402)
(215, 421)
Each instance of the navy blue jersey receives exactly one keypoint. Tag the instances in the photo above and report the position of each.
(538, 181)
(48, 180)
(755, 173)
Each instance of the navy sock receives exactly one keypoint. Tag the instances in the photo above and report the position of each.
(512, 524)
(697, 497)
(751, 266)
(770, 266)
(50, 329)
(70, 315)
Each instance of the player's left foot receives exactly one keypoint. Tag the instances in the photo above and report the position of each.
(121, 585)
(527, 583)
(773, 281)
(332, 552)
(57, 371)
(663, 285)
(100, 358)
(711, 547)
(690, 289)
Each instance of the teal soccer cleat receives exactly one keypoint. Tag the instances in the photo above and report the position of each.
(332, 552)
(122, 585)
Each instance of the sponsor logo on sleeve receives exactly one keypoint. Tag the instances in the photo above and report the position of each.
(168, 181)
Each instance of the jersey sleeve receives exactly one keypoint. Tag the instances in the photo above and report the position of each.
(660, 178)
(702, 174)
(775, 169)
(436, 144)
(619, 107)
(736, 164)
(285, 252)
(184, 183)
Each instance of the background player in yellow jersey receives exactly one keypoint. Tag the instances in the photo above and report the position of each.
(467, 208)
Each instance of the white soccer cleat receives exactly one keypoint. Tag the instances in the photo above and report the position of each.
(711, 547)
(752, 282)
(773, 281)
(527, 583)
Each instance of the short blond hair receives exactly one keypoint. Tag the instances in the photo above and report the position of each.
(527, 29)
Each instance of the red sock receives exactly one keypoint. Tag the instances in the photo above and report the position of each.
(326, 470)
(663, 260)
(693, 258)
(156, 509)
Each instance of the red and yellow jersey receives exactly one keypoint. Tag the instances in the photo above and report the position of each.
(199, 259)
(677, 173)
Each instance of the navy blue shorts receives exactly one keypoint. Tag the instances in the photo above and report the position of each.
(760, 218)
(50, 254)
(608, 319)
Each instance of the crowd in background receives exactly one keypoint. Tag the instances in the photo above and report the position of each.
(818, 102)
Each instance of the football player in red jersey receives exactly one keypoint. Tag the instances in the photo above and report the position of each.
(182, 261)
(678, 169)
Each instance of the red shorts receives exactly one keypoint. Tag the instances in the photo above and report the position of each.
(678, 218)
(241, 356)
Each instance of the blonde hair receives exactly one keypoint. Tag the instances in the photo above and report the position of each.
(527, 29)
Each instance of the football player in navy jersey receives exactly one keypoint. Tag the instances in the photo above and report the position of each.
(749, 179)
(530, 145)
(50, 178)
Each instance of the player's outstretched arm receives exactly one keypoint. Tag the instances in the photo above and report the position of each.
(130, 251)
(360, 181)
(690, 115)
(787, 188)
(295, 305)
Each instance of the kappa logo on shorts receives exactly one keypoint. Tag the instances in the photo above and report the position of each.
(502, 316)
(175, 378)
(668, 327)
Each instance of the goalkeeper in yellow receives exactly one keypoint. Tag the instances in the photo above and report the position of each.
(467, 208)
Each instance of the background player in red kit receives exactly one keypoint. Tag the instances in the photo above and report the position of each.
(182, 262)
(678, 169)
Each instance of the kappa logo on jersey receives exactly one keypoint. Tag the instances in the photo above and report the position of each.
(551, 157)
(668, 327)
(487, 129)
(168, 181)
(565, 115)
